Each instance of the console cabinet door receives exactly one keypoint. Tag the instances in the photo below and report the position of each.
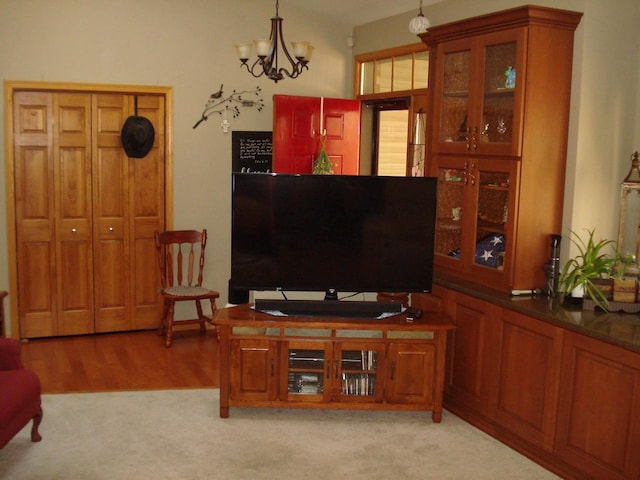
(253, 369)
(357, 372)
(306, 371)
(526, 403)
(411, 373)
(599, 407)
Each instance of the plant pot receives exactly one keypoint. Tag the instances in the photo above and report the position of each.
(624, 290)
(605, 285)
(577, 292)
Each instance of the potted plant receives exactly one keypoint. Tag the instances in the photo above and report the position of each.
(580, 273)
(624, 287)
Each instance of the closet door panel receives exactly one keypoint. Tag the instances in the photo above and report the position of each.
(72, 176)
(146, 196)
(34, 213)
(110, 212)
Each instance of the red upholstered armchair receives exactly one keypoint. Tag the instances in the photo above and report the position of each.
(19, 394)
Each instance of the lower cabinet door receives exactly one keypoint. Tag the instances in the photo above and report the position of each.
(411, 371)
(599, 406)
(468, 366)
(253, 369)
(526, 390)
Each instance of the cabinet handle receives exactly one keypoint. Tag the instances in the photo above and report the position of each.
(73, 230)
(273, 363)
(111, 229)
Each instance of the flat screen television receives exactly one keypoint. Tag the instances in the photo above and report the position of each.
(332, 233)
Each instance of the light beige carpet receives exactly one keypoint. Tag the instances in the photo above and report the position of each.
(177, 434)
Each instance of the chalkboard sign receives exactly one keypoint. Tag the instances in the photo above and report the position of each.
(251, 151)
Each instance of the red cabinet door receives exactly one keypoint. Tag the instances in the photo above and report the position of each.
(298, 124)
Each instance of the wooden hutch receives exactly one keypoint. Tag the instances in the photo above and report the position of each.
(557, 383)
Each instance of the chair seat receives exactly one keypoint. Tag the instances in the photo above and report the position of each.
(187, 291)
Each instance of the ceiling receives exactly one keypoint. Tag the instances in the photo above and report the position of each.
(356, 12)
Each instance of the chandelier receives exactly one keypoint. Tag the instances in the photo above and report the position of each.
(269, 50)
(419, 24)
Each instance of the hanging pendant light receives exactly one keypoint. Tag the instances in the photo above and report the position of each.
(269, 50)
(419, 24)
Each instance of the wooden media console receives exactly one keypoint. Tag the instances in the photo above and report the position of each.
(393, 363)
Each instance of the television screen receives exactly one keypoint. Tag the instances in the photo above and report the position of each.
(332, 233)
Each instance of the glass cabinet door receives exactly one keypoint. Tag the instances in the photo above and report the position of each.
(492, 217)
(453, 121)
(357, 369)
(478, 94)
(307, 370)
(473, 224)
(502, 78)
(451, 209)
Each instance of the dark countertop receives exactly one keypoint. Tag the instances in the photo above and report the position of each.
(621, 329)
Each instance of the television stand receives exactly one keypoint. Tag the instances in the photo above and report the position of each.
(328, 308)
(393, 363)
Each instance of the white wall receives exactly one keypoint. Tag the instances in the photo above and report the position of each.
(605, 101)
(187, 45)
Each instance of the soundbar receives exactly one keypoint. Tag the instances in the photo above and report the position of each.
(328, 308)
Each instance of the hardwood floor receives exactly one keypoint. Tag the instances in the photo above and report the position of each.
(124, 361)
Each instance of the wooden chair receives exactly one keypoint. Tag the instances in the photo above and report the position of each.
(177, 251)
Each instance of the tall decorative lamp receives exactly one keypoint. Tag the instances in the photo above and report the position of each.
(629, 226)
(269, 52)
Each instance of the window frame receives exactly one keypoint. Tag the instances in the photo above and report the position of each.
(385, 55)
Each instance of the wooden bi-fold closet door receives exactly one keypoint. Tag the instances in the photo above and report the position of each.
(85, 213)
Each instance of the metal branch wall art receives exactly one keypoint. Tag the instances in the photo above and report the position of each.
(230, 105)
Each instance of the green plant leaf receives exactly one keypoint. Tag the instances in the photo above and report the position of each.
(591, 262)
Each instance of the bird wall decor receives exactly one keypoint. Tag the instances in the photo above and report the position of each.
(230, 105)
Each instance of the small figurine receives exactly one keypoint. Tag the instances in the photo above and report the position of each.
(502, 127)
(510, 82)
(485, 133)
